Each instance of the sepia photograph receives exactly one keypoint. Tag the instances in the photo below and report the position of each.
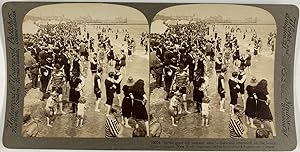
(86, 69)
(149, 76)
(212, 72)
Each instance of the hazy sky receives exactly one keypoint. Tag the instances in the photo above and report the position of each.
(96, 11)
(233, 12)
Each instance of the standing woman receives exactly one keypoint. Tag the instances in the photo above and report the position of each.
(110, 90)
(251, 103)
(139, 111)
(126, 106)
(76, 85)
(263, 102)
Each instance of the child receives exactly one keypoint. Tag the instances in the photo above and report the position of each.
(49, 109)
(205, 110)
(175, 106)
(80, 111)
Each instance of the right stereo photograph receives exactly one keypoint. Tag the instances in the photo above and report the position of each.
(212, 72)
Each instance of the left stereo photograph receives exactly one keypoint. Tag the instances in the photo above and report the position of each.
(80, 73)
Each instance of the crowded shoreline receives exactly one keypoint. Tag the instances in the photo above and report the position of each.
(87, 70)
(216, 66)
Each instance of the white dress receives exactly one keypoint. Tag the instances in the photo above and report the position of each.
(80, 111)
(205, 109)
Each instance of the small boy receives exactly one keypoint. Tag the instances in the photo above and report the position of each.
(80, 111)
(50, 106)
(205, 111)
(175, 106)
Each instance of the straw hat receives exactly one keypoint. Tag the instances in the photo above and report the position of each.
(130, 80)
(253, 80)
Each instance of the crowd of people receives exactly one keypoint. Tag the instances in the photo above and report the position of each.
(64, 56)
(182, 60)
(61, 58)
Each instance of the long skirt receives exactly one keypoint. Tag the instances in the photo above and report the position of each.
(263, 111)
(250, 107)
(139, 110)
